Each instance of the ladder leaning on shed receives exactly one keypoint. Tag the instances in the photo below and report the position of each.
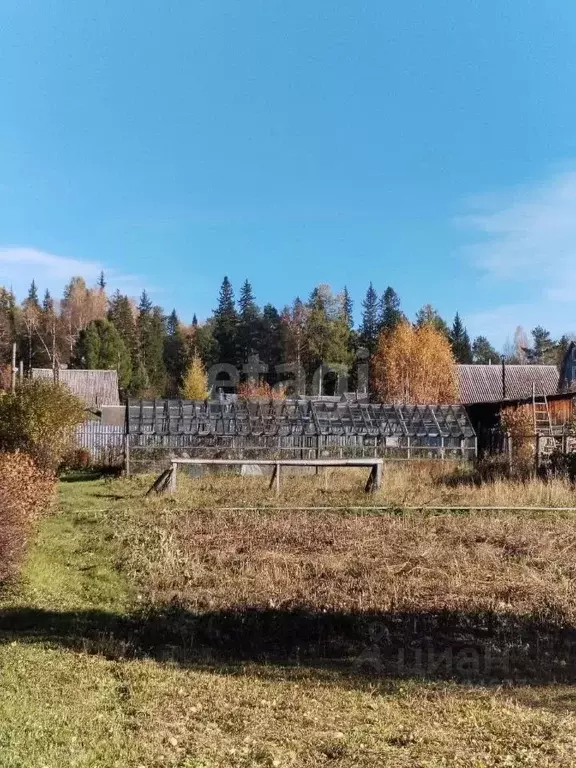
(541, 414)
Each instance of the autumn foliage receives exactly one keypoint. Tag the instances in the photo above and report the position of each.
(414, 364)
(39, 418)
(260, 390)
(25, 493)
(195, 384)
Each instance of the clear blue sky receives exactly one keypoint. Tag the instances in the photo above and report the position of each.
(426, 145)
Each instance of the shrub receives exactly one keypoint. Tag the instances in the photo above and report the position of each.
(195, 384)
(261, 390)
(25, 493)
(518, 423)
(39, 418)
(78, 458)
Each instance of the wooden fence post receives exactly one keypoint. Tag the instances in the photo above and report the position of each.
(173, 481)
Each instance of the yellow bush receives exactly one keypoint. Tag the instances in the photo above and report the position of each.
(39, 418)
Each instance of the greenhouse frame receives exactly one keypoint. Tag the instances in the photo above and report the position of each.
(297, 428)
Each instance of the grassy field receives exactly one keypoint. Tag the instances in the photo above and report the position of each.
(172, 632)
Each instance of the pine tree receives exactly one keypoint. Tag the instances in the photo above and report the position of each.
(460, 341)
(483, 352)
(543, 348)
(369, 324)
(194, 321)
(390, 313)
(226, 325)
(195, 384)
(102, 281)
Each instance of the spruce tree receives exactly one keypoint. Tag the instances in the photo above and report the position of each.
(225, 330)
(348, 308)
(390, 313)
(369, 323)
(100, 347)
(249, 323)
(270, 341)
(121, 314)
(48, 302)
(32, 299)
(460, 341)
(86, 352)
(151, 333)
(175, 354)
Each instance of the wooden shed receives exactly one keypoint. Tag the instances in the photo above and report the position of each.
(94, 388)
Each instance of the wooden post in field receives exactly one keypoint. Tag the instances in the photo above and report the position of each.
(14, 369)
(275, 479)
(173, 481)
(375, 479)
(509, 450)
(537, 453)
(127, 443)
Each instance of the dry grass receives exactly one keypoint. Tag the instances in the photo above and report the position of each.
(325, 561)
(25, 492)
(319, 586)
(415, 484)
(61, 706)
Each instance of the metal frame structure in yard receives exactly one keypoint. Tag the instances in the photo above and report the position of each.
(160, 430)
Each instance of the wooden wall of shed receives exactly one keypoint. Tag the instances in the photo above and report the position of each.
(561, 410)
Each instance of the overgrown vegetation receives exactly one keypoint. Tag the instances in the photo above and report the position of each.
(39, 418)
(194, 636)
(25, 493)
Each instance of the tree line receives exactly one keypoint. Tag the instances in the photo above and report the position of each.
(156, 354)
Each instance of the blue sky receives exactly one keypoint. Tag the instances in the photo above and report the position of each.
(426, 145)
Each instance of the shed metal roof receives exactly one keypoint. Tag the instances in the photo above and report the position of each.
(94, 388)
(483, 383)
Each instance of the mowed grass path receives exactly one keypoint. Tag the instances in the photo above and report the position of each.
(68, 705)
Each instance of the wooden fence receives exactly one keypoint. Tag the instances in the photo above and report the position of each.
(105, 443)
